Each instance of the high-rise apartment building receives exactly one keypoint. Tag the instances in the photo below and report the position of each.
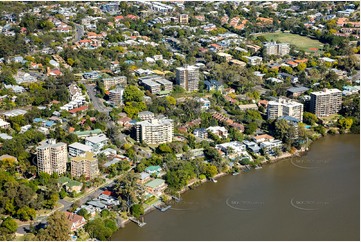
(285, 107)
(188, 77)
(326, 102)
(85, 164)
(116, 96)
(156, 84)
(183, 19)
(113, 81)
(52, 157)
(155, 131)
(273, 48)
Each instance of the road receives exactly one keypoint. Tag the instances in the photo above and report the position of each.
(79, 32)
(98, 104)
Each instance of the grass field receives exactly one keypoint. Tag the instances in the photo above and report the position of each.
(301, 42)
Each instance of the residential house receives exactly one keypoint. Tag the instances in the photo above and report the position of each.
(96, 142)
(221, 132)
(4, 124)
(296, 91)
(251, 106)
(235, 147)
(124, 121)
(254, 60)
(252, 146)
(156, 186)
(205, 103)
(70, 185)
(76, 149)
(270, 146)
(144, 177)
(213, 85)
(201, 133)
(262, 138)
(153, 170)
(75, 220)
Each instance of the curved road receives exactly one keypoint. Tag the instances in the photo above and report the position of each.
(79, 32)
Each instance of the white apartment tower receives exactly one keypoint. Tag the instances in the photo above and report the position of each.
(116, 95)
(285, 107)
(188, 77)
(273, 48)
(155, 131)
(52, 157)
(326, 102)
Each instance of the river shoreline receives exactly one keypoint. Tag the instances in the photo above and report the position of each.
(284, 156)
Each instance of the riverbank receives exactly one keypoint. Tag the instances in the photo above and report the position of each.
(197, 182)
(237, 206)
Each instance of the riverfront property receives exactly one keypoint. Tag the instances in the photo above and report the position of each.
(282, 201)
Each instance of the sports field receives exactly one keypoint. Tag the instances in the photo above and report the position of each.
(301, 42)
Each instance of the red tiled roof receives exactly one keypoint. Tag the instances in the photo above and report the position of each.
(85, 41)
(215, 46)
(238, 126)
(263, 136)
(301, 61)
(75, 110)
(124, 119)
(263, 102)
(107, 193)
(56, 72)
(73, 218)
(131, 16)
(292, 63)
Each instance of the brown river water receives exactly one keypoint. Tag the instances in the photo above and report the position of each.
(313, 197)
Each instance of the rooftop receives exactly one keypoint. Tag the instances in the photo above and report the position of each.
(89, 156)
(69, 182)
(155, 183)
(15, 112)
(97, 139)
(326, 91)
(298, 89)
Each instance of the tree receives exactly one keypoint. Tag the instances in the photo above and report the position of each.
(7, 228)
(137, 210)
(301, 66)
(83, 212)
(171, 100)
(132, 94)
(282, 129)
(320, 129)
(164, 148)
(58, 228)
(10, 225)
(250, 128)
(345, 123)
(7, 77)
(309, 118)
(26, 213)
(62, 193)
(211, 171)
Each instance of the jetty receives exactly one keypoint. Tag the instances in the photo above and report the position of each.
(177, 199)
(162, 208)
(140, 224)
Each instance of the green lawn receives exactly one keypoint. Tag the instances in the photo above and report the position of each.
(301, 42)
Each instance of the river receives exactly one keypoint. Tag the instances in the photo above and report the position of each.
(313, 197)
